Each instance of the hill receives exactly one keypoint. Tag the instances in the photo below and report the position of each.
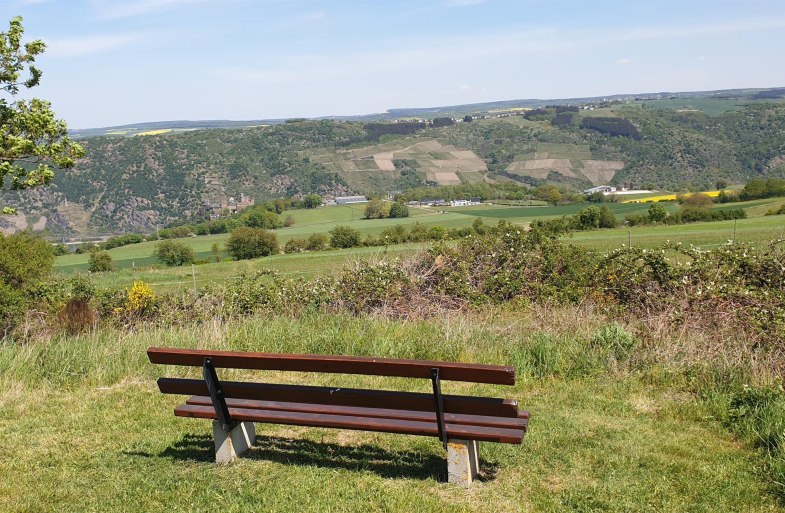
(138, 183)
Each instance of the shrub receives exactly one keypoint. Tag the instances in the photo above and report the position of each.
(657, 213)
(344, 237)
(635, 219)
(100, 261)
(60, 249)
(317, 242)
(245, 243)
(78, 315)
(139, 299)
(607, 218)
(377, 209)
(399, 209)
(697, 200)
(393, 235)
(174, 253)
(25, 263)
(294, 246)
(215, 249)
(262, 218)
(312, 201)
(289, 221)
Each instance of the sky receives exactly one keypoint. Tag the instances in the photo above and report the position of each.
(111, 62)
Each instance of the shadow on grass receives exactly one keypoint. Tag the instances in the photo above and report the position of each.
(367, 458)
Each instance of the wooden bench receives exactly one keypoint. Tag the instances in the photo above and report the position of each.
(460, 422)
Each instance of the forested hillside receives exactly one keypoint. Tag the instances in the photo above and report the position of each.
(138, 183)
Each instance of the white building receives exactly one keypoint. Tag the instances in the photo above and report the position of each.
(604, 189)
(346, 200)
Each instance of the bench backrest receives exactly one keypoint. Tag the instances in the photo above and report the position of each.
(392, 367)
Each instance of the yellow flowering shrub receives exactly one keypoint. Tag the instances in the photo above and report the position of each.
(140, 298)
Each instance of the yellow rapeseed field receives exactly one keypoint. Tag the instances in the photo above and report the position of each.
(671, 197)
(156, 132)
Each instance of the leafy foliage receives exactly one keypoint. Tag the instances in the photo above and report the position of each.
(245, 243)
(100, 261)
(32, 141)
(174, 253)
(344, 237)
(25, 264)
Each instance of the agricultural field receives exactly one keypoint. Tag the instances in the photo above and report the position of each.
(135, 261)
(568, 160)
(710, 106)
(666, 197)
(439, 163)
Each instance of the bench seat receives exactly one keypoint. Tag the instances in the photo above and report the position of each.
(460, 422)
(473, 427)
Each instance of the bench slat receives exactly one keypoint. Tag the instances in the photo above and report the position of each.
(345, 397)
(353, 411)
(458, 431)
(450, 371)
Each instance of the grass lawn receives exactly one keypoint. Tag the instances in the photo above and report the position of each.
(85, 429)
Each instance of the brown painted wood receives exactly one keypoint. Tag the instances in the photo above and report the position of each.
(345, 397)
(457, 431)
(353, 411)
(448, 371)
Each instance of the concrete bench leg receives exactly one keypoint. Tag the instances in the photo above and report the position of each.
(228, 446)
(463, 461)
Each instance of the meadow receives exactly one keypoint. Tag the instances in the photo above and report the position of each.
(135, 261)
(90, 431)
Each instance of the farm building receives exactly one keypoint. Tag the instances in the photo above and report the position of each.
(605, 189)
(347, 200)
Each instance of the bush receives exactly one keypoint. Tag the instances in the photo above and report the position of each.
(399, 209)
(100, 262)
(25, 263)
(344, 237)
(245, 243)
(312, 201)
(60, 249)
(262, 218)
(174, 253)
(588, 218)
(289, 221)
(377, 209)
(78, 315)
(294, 246)
(657, 213)
(697, 200)
(317, 242)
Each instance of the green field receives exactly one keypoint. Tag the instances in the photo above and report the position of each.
(136, 261)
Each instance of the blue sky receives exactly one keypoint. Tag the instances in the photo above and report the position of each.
(113, 62)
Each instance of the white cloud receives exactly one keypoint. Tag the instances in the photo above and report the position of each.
(624, 61)
(76, 46)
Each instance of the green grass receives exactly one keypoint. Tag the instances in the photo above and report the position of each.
(307, 222)
(758, 230)
(304, 265)
(85, 429)
(528, 214)
(711, 106)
